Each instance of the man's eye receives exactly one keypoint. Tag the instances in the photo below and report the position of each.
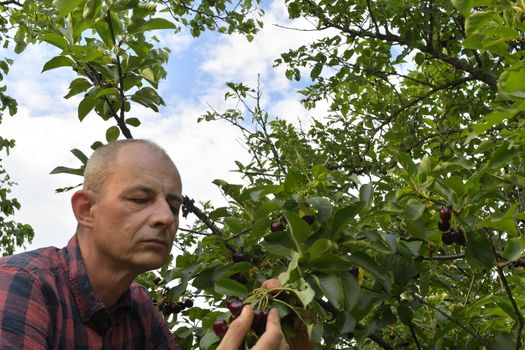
(138, 200)
(175, 210)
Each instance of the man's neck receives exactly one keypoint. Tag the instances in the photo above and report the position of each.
(109, 282)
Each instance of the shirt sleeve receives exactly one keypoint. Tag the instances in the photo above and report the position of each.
(24, 318)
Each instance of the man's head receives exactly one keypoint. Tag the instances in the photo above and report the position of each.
(128, 209)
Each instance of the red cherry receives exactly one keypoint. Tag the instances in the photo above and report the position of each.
(447, 238)
(235, 306)
(220, 328)
(238, 257)
(444, 225)
(458, 237)
(444, 214)
(276, 227)
(259, 321)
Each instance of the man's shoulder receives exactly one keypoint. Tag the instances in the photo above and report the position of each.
(38, 261)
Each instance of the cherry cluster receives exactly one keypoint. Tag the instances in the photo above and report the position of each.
(220, 327)
(449, 236)
(169, 308)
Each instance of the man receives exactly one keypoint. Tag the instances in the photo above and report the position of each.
(83, 296)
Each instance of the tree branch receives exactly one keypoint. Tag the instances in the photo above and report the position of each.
(119, 118)
(506, 286)
(188, 206)
(10, 2)
(473, 333)
(444, 257)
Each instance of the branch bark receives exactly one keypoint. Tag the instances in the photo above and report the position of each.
(120, 118)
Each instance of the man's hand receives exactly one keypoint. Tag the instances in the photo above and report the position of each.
(272, 338)
(301, 341)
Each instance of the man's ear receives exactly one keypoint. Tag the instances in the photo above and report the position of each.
(82, 203)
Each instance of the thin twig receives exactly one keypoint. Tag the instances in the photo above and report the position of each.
(506, 286)
(444, 257)
(188, 205)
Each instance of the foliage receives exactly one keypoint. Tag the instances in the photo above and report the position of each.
(426, 112)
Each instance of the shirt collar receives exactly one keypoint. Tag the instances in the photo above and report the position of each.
(87, 301)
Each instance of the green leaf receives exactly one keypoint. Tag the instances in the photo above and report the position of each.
(227, 286)
(159, 23)
(513, 249)
(351, 290)
(278, 243)
(133, 122)
(405, 313)
(66, 170)
(80, 155)
(112, 133)
(331, 286)
(414, 209)
(345, 215)
(65, 7)
(148, 97)
(479, 251)
(364, 261)
(366, 194)
(298, 229)
(323, 206)
(77, 86)
(86, 105)
(58, 61)
(328, 263)
(54, 39)
(320, 247)
(316, 71)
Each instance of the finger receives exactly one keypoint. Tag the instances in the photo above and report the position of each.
(271, 284)
(273, 337)
(237, 330)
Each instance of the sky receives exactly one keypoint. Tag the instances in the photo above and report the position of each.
(46, 126)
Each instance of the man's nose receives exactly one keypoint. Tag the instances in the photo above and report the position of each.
(162, 214)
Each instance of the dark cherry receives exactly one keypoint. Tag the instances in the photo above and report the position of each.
(448, 238)
(444, 214)
(177, 307)
(444, 225)
(259, 321)
(309, 219)
(235, 306)
(188, 303)
(458, 237)
(238, 257)
(220, 328)
(276, 227)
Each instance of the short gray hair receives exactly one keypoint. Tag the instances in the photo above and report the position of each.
(101, 160)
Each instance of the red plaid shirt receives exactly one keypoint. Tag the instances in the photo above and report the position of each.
(48, 302)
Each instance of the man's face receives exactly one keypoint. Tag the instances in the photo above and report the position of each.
(135, 217)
